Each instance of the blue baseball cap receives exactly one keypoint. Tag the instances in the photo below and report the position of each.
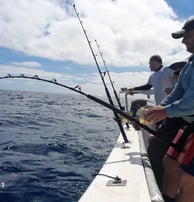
(188, 26)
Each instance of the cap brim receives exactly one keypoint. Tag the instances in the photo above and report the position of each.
(178, 34)
(177, 65)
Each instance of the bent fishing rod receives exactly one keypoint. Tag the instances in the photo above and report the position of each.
(91, 97)
(117, 119)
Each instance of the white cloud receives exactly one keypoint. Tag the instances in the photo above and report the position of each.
(27, 64)
(128, 31)
(33, 85)
(90, 83)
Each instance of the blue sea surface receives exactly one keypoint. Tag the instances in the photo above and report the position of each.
(51, 145)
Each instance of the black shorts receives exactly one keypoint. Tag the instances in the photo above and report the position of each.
(170, 126)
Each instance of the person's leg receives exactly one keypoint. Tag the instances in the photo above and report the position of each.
(186, 187)
(156, 151)
(171, 177)
(171, 167)
(186, 183)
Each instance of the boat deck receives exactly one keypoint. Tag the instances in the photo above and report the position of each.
(129, 162)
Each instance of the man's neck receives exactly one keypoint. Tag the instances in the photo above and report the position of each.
(158, 68)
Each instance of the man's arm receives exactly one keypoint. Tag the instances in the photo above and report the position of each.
(143, 87)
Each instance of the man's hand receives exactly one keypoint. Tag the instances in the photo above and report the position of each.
(155, 114)
(130, 90)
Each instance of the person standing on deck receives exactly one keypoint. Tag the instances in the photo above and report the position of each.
(157, 147)
(160, 79)
(179, 178)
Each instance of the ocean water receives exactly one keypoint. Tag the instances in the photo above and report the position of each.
(51, 145)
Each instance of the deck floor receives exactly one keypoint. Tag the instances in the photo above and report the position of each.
(125, 162)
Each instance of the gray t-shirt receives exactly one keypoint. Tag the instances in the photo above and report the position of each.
(160, 80)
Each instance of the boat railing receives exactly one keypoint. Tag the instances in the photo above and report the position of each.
(155, 194)
(126, 93)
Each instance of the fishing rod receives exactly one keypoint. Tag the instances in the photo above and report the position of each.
(111, 82)
(117, 119)
(91, 97)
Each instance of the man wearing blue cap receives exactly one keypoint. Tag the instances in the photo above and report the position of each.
(179, 160)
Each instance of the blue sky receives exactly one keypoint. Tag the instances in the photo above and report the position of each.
(182, 8)
(45, 38)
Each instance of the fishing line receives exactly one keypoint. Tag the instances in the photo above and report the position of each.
(77, 89)
(111, 82)
(117, 118)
